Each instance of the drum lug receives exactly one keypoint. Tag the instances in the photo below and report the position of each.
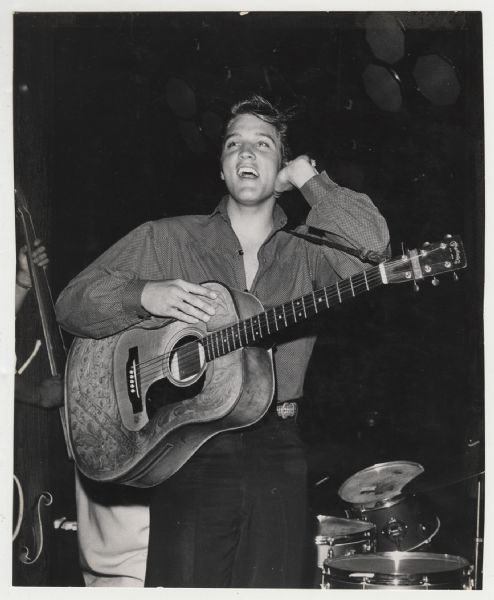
(395, 530)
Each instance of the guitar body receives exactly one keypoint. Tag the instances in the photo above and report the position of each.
(143, 437)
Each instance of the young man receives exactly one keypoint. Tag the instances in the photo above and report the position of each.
(235, 513)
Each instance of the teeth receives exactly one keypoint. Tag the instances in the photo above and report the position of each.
(247, 172)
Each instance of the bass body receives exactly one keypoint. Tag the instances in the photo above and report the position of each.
(141, 402)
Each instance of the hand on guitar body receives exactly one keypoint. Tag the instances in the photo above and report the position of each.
(179, 299)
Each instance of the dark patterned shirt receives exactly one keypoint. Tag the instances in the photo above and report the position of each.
(105, 298)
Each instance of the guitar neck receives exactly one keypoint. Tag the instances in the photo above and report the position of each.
(263, 325)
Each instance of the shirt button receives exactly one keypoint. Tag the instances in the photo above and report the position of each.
(241, 252)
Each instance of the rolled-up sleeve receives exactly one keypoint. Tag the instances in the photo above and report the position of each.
(105, 298)
(351, 218)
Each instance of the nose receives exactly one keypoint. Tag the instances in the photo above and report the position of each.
(246, 150)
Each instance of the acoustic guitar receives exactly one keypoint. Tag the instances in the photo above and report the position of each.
(141, 402)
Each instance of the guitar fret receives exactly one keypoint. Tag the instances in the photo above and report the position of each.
(237, 336)
(242, 328)
(284, 314)
(366, 282)
(255, 320)
(315, 301)
(338, 290)
(275, 318)
(267, 322)
(207, 349)
(351, 286)
(294, 312)
(227, 340)
(326, 296)
(252, 329)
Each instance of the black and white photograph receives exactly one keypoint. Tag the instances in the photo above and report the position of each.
(248, 250)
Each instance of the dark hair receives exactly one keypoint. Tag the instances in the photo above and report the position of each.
(263, 109)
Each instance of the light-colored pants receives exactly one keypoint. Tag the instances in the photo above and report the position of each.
(113, 533)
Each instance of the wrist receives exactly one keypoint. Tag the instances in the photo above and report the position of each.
(25, 285)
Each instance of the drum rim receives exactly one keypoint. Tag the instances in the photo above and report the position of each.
(462, 570)
(385, 503)
(375, 467)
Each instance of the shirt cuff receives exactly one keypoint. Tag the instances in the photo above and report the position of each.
(132, 298)
(317, 188)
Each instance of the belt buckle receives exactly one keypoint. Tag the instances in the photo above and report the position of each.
(287, 410)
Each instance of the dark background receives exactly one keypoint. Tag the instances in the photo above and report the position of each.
(117, 122)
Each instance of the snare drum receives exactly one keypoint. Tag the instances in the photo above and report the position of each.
(403, 523)
(388, 570)
(343, 537)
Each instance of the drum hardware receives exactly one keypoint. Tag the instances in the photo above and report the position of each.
(477, 566)
(416, 570)
(395, 530)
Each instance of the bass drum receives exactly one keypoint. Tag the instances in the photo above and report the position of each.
(343, 537)
(392, 570)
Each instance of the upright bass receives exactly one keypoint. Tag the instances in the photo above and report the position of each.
(44, 549)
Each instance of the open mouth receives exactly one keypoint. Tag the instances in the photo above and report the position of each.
(247, 173)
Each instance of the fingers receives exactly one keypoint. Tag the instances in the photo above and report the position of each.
(40, 256)
(179, 299)
(194, 302)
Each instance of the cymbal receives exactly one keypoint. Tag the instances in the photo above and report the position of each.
(454, 470)
(379, 482)
(428, 482)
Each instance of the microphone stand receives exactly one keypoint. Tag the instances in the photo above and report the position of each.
(478, 562)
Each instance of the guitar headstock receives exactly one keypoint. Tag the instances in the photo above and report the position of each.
(432, 259)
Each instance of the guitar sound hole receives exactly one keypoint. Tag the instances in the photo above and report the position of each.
(163, 393)
(186, 359)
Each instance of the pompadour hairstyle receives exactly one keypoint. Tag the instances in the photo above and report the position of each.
(266, 111)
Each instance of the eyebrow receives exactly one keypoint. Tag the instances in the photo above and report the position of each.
(258, 133)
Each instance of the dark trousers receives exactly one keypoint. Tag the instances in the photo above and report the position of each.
(235, 514)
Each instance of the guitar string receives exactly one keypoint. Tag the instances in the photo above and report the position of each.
(188, 358)
(270, 319)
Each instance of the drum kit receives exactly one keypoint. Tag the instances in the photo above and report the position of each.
(384, 541)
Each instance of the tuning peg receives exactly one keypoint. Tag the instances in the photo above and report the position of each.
(455, 277)
(435, 281)
(416, 287)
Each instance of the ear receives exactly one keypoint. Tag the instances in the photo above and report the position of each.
(222, 176)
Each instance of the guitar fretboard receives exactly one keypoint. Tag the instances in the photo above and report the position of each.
(267, 323)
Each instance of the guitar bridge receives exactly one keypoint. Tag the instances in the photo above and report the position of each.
(133, 380)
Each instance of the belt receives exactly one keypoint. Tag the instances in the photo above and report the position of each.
(287, 410)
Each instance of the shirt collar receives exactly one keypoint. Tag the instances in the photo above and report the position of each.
(279, 216)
